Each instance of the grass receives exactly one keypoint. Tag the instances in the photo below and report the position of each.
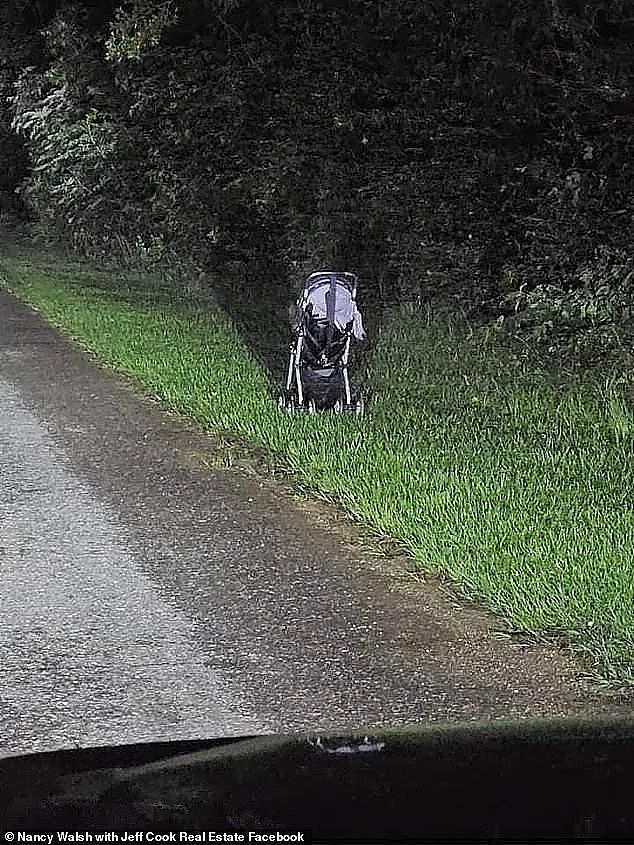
(511, 481)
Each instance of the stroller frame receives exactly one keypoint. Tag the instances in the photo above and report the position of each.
(296, 363)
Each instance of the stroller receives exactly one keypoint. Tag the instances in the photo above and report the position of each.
(326, 320)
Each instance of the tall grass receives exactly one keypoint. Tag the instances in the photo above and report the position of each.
(513, 482)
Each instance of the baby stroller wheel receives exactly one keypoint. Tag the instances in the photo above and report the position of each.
(338, 406)
(359, 407)
(286, 402)
(312, 408)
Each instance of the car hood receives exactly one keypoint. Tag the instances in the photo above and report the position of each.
(540, 778)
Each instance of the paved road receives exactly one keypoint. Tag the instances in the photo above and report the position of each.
(145, 597)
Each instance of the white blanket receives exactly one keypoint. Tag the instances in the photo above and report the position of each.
(345, 308)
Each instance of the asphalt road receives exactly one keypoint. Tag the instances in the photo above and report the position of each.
(146, 597)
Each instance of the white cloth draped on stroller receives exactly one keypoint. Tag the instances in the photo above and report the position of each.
(345, 311)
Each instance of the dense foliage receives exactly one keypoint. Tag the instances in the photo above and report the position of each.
(478, 151)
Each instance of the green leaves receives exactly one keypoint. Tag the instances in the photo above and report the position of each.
(582, 320)
(74, 156)
(137, 29)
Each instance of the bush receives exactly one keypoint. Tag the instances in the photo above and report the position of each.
(587, 320)
(461, 151)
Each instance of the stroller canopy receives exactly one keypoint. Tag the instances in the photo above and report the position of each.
(333, 297)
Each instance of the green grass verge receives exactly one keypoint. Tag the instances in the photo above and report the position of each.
(487, 469)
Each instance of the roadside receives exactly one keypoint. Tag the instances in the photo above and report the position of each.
(510, 480)
(285, 611)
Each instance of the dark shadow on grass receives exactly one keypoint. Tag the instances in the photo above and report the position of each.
(255, 297)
